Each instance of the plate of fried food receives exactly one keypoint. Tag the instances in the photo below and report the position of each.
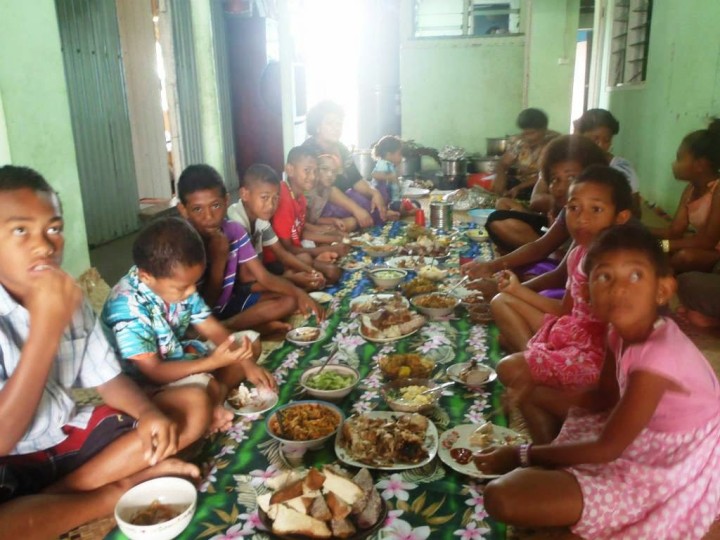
(304, 335)
(370, 303)
(459, 445)
(244, 401)
(419, 285)
(387, 440)
(322, 503)
(406, 365)
(386, 325)
(304, 424)
(407, 262)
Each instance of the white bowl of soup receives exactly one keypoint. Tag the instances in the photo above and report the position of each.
(159, 509)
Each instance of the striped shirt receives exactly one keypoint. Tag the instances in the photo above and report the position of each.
(240, 251)
(84, 359)
(137, 321)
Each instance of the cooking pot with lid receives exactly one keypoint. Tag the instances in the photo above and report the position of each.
(453, 167)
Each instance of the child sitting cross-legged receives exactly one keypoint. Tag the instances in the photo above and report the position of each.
(63, 464)
(291, 214)
(639, 456)
(567, 348)
(242, 293)
(150, 310)
(259, 193)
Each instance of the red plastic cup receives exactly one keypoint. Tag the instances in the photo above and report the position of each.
(420, 217)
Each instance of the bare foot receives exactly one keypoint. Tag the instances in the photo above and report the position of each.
(168, 467)
(701, 321)
(273, 327)
(221, 420)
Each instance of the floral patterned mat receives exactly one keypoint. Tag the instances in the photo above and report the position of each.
(426, 502)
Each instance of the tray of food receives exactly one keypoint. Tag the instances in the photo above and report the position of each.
(324, 503)
(387, 440)
(459, 445)
(386, 325)
(370, 303)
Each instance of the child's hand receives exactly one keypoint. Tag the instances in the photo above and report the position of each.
(378, 203)
(339, 224)
(158, 435)
(477, 269)
(53, 299)
(260, 376)
(327, 256)
(508, 282)
(218, 246)
(229, 352)
(341, 249)
(364, 218)
(497, 459)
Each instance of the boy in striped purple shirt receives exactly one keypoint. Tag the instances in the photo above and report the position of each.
(242, 293)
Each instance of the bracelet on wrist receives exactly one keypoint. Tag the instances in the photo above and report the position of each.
(524, 454)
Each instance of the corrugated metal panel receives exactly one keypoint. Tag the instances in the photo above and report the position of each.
(188, 103)
(223, 84)
(101, 124)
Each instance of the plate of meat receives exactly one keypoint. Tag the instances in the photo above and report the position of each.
(387, 440)
(387, 325)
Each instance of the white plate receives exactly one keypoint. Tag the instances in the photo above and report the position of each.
(364, 298)
(463, 441)
(321, 297)
(265, 401)
(292, 336)
(388, 339)
(405, 262)
(415, 193)
(352, 266)
(453, 373)
(431, 445)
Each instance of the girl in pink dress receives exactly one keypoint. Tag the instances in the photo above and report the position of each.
(567, 349)
(641, 459)
(698, 163)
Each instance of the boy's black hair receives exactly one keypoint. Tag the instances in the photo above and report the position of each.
(317, 114)
(620, 190)
(197, 178)
(385, 146)
(705, 144)
(532, 119)
(300, 152)
(259, 173)
(13, 178)
(571, 148)
(595, 118)
(631, 236)
(166, 243)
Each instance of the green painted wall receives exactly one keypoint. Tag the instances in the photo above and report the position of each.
(681, 91)
(37, 113)
(552, 37)
(460, 91)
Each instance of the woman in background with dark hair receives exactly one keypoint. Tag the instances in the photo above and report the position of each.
(523, 156)
(352, 195)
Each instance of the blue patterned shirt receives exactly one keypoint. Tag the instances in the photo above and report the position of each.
(84, 359)
(137, 321)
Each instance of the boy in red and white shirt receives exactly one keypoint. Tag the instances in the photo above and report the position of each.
(289, 219)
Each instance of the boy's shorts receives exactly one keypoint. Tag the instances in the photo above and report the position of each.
(242, 298)
(26, 474)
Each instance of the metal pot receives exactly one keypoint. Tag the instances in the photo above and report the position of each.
(453, 167)
(486, 165)
(441, 215)
(364, 162)
(410, 166)
(496, 146)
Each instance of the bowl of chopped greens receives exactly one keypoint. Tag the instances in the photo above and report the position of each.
(334, 382)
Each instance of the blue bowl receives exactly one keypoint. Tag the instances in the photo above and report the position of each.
(480, 215)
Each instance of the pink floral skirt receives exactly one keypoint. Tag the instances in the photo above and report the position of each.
(567, 352)
(665, 485)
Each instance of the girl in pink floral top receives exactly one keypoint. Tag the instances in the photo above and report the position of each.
(568, 346)
(641, 459)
